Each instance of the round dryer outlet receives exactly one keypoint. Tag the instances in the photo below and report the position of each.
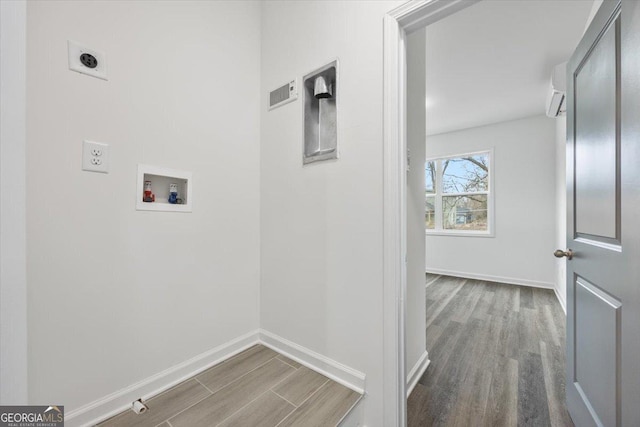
(88, 60)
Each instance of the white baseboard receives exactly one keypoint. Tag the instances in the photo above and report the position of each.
(120, 400)
(561, 300)
(114, 403)
(499, 279)
(417, 371)
(348, 377)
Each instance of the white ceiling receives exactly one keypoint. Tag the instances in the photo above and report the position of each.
(492, 61)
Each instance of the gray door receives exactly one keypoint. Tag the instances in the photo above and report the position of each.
(603, 189)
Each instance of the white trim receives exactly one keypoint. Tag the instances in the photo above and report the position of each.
(394, 224)
(119, 401)
(348, 377)
(13, 265)
(416, 14)
(440, 194)
(491, 278)
(404, 19)
(417, 371)
(562, 300)
(459, 233)
(456, 155)
(114, 403)
(394, 241)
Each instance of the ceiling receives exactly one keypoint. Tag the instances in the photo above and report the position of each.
(492, 62)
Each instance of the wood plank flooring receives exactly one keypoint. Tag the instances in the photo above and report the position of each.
(497, 357)
(257, 387)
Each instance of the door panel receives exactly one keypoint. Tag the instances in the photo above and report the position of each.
(596, 140)
(603, 220)
(596, 350)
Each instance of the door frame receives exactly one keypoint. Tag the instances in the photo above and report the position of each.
(399, 22)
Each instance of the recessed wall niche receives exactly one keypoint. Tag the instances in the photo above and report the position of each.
(159, 180)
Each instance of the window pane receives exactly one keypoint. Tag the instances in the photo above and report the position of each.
(466, 174)
(430, 177)
(430, 213)
(464, 212)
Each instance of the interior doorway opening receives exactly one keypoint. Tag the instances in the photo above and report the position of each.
(454, 219)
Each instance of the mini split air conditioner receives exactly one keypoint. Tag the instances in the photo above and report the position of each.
(556, 99)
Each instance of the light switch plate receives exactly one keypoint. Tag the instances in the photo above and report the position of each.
(95, 157)
(99, 61)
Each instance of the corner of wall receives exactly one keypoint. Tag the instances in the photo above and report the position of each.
(195, 272)
(119, 401)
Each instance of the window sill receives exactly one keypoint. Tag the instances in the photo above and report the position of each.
(459, 233)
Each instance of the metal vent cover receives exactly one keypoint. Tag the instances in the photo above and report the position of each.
(283, 95)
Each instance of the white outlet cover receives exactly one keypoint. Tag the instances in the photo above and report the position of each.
(76, 50)
(95, 157)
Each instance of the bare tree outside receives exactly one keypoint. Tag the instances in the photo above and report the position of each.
(430, 198)
(464, 186)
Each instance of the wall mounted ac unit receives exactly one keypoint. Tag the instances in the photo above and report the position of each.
(556, 99)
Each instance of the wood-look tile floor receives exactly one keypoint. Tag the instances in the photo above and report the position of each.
(497, 357)
(257, 387)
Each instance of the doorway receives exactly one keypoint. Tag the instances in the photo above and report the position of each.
(398, 25)
(495, 329)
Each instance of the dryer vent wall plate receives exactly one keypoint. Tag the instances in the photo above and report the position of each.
(320, 91)
(87, 61)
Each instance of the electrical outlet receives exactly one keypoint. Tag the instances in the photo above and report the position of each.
(87, 61)
(95, 157)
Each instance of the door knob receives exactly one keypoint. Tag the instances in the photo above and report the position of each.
(560, 253)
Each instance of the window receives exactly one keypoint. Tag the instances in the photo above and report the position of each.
(458, 194)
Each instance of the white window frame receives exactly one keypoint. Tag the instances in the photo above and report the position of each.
(439, 230)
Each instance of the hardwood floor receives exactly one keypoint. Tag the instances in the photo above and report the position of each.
(497, 357)
(257, 387)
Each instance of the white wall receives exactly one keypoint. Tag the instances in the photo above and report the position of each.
(183, 92)
(594, 9)
(561, 208)
(321, 225)
(13, 280)
(524, 167)
(415, 326)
